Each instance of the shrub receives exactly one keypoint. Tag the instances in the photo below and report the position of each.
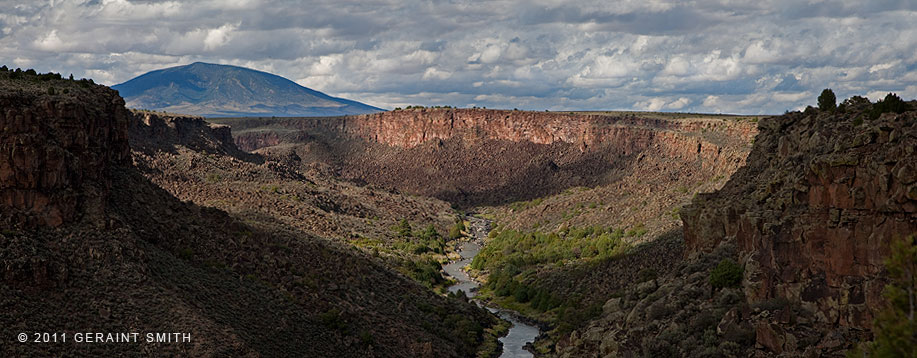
(521, 294)
(726, 274)
(51, 91)
(647, 274)
(455, 231)
(856, 102)
(332, 319)
(403, 229)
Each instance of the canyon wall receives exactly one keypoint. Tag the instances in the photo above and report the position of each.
(713, 140)
(813, 213)
(56, 149)
(473, 157)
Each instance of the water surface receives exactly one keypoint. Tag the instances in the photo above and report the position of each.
(520, 333)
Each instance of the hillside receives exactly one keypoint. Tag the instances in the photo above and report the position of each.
(229, 91)
(88, 242)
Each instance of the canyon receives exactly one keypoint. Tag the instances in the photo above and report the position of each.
(809, 215)
(120, 253)
(330, 228)
(473, 157)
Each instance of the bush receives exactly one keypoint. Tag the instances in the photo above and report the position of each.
(646, 274)
(403, 229)
(726, 274)
(332, 319)
(455, 231)
(827, 101)
(856, 102)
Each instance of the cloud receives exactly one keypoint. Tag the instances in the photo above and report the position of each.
(218, 37)
(679, 103)
(712, 56)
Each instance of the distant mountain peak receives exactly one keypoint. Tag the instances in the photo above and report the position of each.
(216, 90)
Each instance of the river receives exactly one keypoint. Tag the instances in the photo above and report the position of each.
(520, 333)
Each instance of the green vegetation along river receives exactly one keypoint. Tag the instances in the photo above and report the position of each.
(520, 334)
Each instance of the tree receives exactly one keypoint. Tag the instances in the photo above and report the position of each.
(892, 103)
(896, 325)
(827, 101)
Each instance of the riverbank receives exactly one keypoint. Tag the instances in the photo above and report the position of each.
(518, 341)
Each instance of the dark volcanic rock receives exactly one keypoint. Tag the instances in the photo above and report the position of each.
(56, 149)
(812, 214)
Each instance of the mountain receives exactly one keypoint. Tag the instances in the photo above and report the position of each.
(230, 91)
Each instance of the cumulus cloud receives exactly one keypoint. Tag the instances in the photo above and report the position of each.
(711, 56)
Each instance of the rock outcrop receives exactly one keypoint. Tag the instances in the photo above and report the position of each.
(156, 131)
(56, 149)
(812, 214)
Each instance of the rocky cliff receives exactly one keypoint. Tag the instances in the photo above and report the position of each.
(411, 128)
(56, 148)
(812, 214)
(484, 157)
(157, 131)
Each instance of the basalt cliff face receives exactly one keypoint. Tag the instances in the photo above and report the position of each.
(56, 151)
(476, 156)
(812, 215)
(411, 128)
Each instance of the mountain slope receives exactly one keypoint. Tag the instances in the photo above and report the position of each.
(230, 91)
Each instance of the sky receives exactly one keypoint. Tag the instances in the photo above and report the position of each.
(711, 56)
